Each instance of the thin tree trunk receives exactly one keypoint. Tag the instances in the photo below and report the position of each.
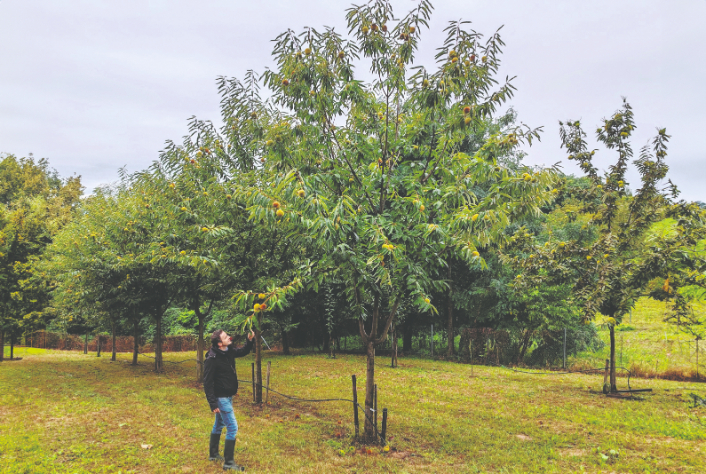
(450, 349)
(369, 392)
(285, 343)
(326, 343)
(12, 345)
(85, 344)
(332, 347)
(200, 346)
(613, 383)
(135, 340)
(407, 337)
(393, 330)
(525, 344)
(158, 365)
(2, 345)
(258, 366)
(113, 356)
(98, 345)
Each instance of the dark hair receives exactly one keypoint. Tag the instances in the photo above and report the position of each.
(216, 337)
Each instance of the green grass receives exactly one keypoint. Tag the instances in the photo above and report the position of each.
(22, 351)
(648, 346)
(64, 412)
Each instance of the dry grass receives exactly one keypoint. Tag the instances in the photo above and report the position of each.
(649, 347)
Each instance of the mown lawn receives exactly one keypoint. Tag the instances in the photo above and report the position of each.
(74, 413)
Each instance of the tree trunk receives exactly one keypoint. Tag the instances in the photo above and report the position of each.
(393, 330)
(258, 366)
(2, 345)
(332, 348)
(326, 343)
(613, 383)
(85, 344)
(450, 329)
(369, 393)
(135, 340)
(525, 344)
(285, 343)
(463, 349)
(158, 364)
(450, 320)
(113, 356)
(200, 346)
(12, 345)
(407, 337)
(98, 346)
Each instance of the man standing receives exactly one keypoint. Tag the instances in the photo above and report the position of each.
(220, 382)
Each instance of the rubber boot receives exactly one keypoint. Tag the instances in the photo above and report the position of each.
(213, 448)
(229, 464)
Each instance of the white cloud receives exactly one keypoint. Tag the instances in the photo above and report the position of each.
(94, 85)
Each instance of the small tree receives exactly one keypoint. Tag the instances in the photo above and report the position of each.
(109, 258)
(34, 204)
(609, 273)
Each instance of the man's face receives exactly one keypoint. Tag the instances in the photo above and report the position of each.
(225, 339)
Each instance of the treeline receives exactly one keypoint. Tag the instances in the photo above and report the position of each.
(326, 206)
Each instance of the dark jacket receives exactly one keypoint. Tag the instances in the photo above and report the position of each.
(219, 376)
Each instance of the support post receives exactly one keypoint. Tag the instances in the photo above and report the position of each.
(252, 366)
(606, 387)
(267, 393)
(355, 407)
(432, 340)
(383, 435)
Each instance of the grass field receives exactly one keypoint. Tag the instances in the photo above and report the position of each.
(73, 413)
(648, 346)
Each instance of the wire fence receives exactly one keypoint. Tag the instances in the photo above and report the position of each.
(646, 354)
(72, 342)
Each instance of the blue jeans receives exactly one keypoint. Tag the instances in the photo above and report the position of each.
(225, 419)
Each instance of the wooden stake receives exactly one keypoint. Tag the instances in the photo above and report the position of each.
(606, 388)
(384, 426)
(355, 407)
(267, 393)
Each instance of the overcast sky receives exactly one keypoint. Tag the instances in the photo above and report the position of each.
(95, 85)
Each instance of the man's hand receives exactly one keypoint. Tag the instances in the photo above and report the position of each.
(217, 410)
(251, 335)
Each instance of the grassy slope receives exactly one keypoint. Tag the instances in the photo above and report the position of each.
(649, 346)
(69, 412)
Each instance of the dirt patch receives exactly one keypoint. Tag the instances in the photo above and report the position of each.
(523, 437)
(399, 454)
(572, 452)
